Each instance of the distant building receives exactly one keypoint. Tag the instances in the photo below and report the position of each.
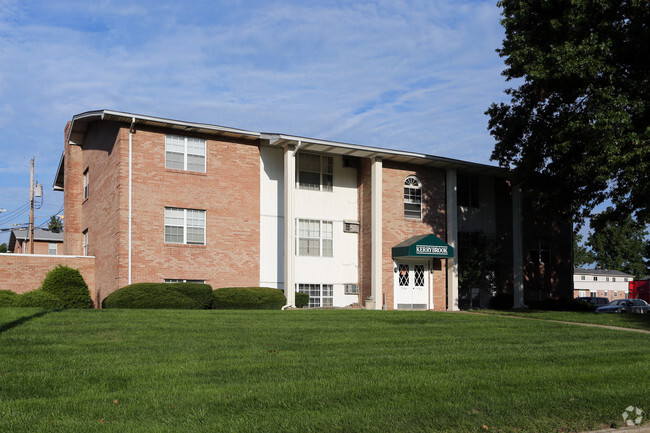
(601, 282)
(45, 242)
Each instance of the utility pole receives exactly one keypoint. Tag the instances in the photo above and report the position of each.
(31, 210)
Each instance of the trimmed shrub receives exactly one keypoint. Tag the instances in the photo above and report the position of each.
(248, 298)
(8, 298)
(154, 296)
(562, 304)
(502, 301)
(302, 299)
(69, 286)
(201, 293)
(41, 299)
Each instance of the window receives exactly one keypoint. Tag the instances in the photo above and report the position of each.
(51, 249)
(315, 172)
(615, 293)
(613, 279)
(320, 295)
(85, 242)
(606, 278)
(350, 227)
(315, 238)
(582, 277)
(351, 289)
(185, 153)
(173, 280)
(86, 184)
(595, 278)
(625, 279)
(412, 198)
(184, 226)
(468, 191)
(541, 253)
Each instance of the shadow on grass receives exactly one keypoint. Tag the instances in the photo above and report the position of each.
(7, 326)
(641, 320)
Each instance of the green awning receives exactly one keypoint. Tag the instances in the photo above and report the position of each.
(423, 246)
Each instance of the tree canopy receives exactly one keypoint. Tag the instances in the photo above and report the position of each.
(618, 243)
(55, 224)
(577, 127)
(581, 255)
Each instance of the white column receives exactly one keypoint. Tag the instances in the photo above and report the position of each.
(289, 222)
(376, 232)
(517, 252)
(452, 240)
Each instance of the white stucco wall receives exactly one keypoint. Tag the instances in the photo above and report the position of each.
(337, 206)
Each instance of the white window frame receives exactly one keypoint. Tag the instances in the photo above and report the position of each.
(85, 242)
(52, 249)
(412, 198)
(320, 295)
(177, 280)
(324, 238)
(188, 151)
(186, 224)
(86, 184)
(325, 172)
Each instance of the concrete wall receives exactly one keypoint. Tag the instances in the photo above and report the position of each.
(22, 273)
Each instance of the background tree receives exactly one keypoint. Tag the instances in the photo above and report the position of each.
(577, 129)
(3, 248)
(618, 243)
(55, 224)
(581, 255)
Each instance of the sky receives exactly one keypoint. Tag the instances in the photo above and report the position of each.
(407, 75)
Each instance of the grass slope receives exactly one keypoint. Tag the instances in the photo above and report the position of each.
(312, 371)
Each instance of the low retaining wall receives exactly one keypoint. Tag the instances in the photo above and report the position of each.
(22, 273)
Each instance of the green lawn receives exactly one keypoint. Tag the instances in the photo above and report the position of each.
(312, 371)
(633, 321)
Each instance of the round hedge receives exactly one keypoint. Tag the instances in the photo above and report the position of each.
(8, 298)
(69, 286)
(248, 298)
(187, 296)
(302, 299)
(40, 298)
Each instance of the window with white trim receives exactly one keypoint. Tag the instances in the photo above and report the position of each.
(85, 242)
(184, 226)
(86, 184)
(185, 153)
(582, 277)
(320, 295)
(52, 249)
(412, 198)
(315, 238)
(174, 280)
(315, 172)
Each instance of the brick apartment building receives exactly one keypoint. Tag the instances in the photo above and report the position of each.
(156, 200)
(45, 241)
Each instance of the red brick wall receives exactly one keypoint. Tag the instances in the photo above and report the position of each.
(72, 197)
(396, 228)
(229, 192)
(365, 235)
(25, 272)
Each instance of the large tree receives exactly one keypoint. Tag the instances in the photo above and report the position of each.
(581, 255)
(618, 243)
(577, 127)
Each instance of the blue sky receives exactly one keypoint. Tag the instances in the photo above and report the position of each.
(409, 75)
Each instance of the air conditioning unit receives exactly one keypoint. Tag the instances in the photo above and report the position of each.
(351, 226)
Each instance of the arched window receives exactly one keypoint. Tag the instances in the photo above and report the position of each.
(412, 198)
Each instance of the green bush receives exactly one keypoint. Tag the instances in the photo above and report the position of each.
(40, 298)
(502, 301)
(8, 298)
(187, 296)
(248, 298)
(201, 293)
(562, 304)
(302, 299)
(68, 285)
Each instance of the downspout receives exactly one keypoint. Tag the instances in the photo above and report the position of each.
(131, 131)
(291, 300)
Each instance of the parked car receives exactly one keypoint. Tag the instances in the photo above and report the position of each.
(625, 306)
(596, 300)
